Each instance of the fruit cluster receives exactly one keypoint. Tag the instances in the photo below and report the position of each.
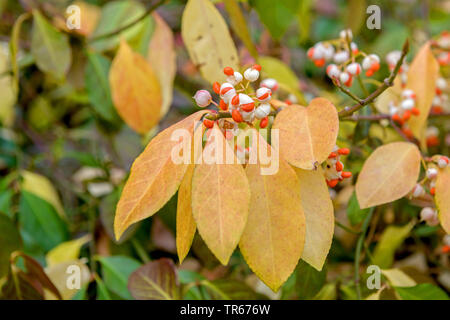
(402, 112)
(334, 168)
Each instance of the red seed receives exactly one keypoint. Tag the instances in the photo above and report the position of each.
(235, 100)
(256, 67)
(225, 90)
(228, 71)
(344, 151)
(332, 183)
(216, 87)
(433, 141)
(406, 115)
(432, 191)
(319, 62)
(415, 111)
(332, 155)
(208, 123)
(339, 166)
(264, 122)
(236, 115)
(248, 107)
(223, 105)
(346, 174)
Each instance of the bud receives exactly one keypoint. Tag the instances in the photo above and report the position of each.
(429, 215)
(202, 98)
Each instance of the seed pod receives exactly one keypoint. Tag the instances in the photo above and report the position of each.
(208, 123)
(246, 103)
(418, 191)
(227, 92)
(264, 122)
(408, 104)
(263, 94)
(341, 57)
(236, 115)
(432, 173)
(262, 111)
(333, 71)
(228, 71)
(251, 74)
(270, 83)
(427, 214)
(347, 33)
(235, 78)
(202, 98)
(354, 68)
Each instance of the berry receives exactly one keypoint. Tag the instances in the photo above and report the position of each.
(262, 111)
(333, 71)
(332, 183)
(264, 122)
(223, 105)
(270, 83)
(354, 69)
(228, 71)
(251, 74)
(236, 115)
(346, 174)
(432, 173)
(208, 123)
(263, 94)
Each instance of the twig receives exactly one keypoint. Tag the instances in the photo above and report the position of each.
(388, 82)
(344, 227)
(222, 115)
(128, 25)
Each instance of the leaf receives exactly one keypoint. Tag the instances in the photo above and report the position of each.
(319, 215)
(355, 15)
(10, 241)
(156, 280)
(272, 242)
(135, 90)
(277, 16)
(423, 291)
(231, 290)
(185, 221)
(239, 25)
(354, 213)
(66, 251)
(116, 270)
(115, 15)
(39, 219)
(398, 278)
(422, 76)
(391, 239)
(207, 40)
(389, 173)
(41, 187)
(97, 86)
(220, 198)
(278, 70)
(154, 178)
(314, 129)
(309, 281)
(442, 198)
(161, 55)
(7, 92)
(50, 47)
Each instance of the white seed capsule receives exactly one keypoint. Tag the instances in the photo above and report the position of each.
(347, 33)
(369, 61)
(408, 94)
(344, 77)
(227, 92)
(427, 214)
(202, 98)
(248, 116)
(442, 162)
(333, 71)
(270, 83)
(341, 57)
(441, 83)
(432, 132)
(408, 104)
(329, 52)
(437, 101)
(235, 78)
(446, 240)
(418, 191)
(393, 57)
(251, 74)
(432, 173)
(263, 94)
(393, 109)
(262, 111)
(354, 68)
(319, 51)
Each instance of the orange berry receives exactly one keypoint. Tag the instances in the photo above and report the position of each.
(264, 122)
(445, 249)
(415, 111)
(256, 67)
(346, 174)
(344, 151)
(369, 73)
(208, 123)
(319, 62)
(248, 107)
(236, 115)
(235, 100)
(432, 191)
(339, 166)
(406, 115)
(407, 132)
(228, 71)
(332, 155)
(432, 141)
(216, 87)
(332, 183)
(223, 105)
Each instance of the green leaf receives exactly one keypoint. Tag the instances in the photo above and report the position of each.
(391, 239)
(5, 202)
(354, 213)
(102, 290)
(233, 290)
(309, 281)
(39, 219)
(423, 291)
(277, 16)
(156, 280)
(50, 47)
(10, 241)
(116, 270)
(97, 86)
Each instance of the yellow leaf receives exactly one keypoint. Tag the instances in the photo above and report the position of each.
(43, 188)
(391, 94)
(274, 68)
(7, 92)
(154, 178)
(185, 221)
(207, 40)
(272, 242)
(314, 130)
(220, 198)
(376, 295)
(398, 278)
(135, 89)
(62, 273)
(319, 214)
(389, 173)
(66, 251)
(161, 55)
(422, 77)
(443, 198)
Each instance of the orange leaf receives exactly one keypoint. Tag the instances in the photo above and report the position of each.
(314, 130)
(319, 214)
(161, 55)
(272, 242)
(154, 178)
(135, 89)
(185, 221)
(422, 77)
(389, 173)
(443, 198)
(220, 199)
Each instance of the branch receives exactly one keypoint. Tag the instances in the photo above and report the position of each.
(381, 116)
(388, 82)
(128, 25)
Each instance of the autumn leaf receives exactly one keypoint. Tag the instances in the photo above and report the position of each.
(389, 173)
(185, 221)
(314, 130)
(161, 55)
(66, 251)
(319, 214)
(443, 198)
(272, 242)
(154, 178)
(422, 76)
(220, 198)
(135, 89)
(208, 40)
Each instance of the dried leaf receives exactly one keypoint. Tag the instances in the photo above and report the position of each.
(272, 242)
(319, 215)
(135, 89)
(389, 173)
(443, 198)
(185, 221)
(161, 55)
(314, 130)
(154, 178)
(207, 40)
(422, 76)
(220, 199)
